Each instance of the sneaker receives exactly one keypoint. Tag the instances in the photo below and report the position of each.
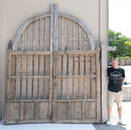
(109, 122)
(121, 122)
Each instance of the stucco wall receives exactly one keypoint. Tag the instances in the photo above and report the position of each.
(14, 12)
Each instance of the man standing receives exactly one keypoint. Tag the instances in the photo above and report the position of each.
(116, 77)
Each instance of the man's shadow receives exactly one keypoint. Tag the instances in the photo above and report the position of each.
(106, 127)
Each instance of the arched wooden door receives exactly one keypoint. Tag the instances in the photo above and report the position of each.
(53, 72)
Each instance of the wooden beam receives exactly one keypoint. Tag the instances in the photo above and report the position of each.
(104, 107)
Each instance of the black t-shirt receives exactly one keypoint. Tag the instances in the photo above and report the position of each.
(115, 78)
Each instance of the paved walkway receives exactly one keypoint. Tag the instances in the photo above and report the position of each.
(126, 118)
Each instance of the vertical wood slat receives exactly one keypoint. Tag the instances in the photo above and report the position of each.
(70, 72)
(76, 80)
(87, 80)
(7, 91)
(82, 84)
(13, 72)
(28, 38)
(21, 110)
(64, 81)
(55, 38)
(47, 27)
(23, 82)
(73, 35)
(76, 36)
(51, 89)
(79, 37)
(35, 81)
(31, 32)
(25, 39)
(65, 59)
(29, 73)
(24, 66)
(69, 35)
(59, 34)
(58, 73)
(17, 86)
(41, 32)
(37, 35)
(70, 60)
(93, 80)
(62, 32)
(41, 81)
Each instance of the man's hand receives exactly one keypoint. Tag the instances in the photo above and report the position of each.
(122, 82)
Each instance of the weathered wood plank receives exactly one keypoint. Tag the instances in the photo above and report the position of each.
(42, 35)
(81, 80)
(75, 52)
(47, 32)
(12, 72)
(76, 82)
(73, 35)
(61, 111)
(70, 73)
(59, 81)
(76, 110)
(59, 34)
(64, 81)
(29, 74)
(44, 111)
(41, 81)
(35, 81)
(14, 111)
(90, 110)
(29, 111)
(93, 80)
(23, 73)
(18, 82)
(98, 89)
(76, 35)
(64, 32)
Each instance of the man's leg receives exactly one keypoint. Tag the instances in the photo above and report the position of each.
(110, 105)
(109, 112)
(120, 120)
(120, 111)
(119, 108)
(111, 101)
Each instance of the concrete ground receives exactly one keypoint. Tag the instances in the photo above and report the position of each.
(126, 119)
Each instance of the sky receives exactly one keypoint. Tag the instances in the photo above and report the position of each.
(120, 16)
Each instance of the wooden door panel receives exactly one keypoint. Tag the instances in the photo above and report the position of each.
(77, 91)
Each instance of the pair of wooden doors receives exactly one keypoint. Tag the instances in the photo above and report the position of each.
(53, 73)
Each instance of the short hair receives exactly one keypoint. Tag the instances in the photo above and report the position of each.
(115, 59)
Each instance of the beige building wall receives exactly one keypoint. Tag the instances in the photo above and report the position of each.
(94, 13)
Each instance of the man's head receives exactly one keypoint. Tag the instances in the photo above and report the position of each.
(115, 63)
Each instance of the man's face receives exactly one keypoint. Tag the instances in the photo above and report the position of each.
(114, 63)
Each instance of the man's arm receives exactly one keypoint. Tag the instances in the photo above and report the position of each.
(123, 79)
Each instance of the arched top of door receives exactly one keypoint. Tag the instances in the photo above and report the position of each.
(87, 36)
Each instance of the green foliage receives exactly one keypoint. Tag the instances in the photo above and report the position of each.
(122, 44)
(128, 44)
